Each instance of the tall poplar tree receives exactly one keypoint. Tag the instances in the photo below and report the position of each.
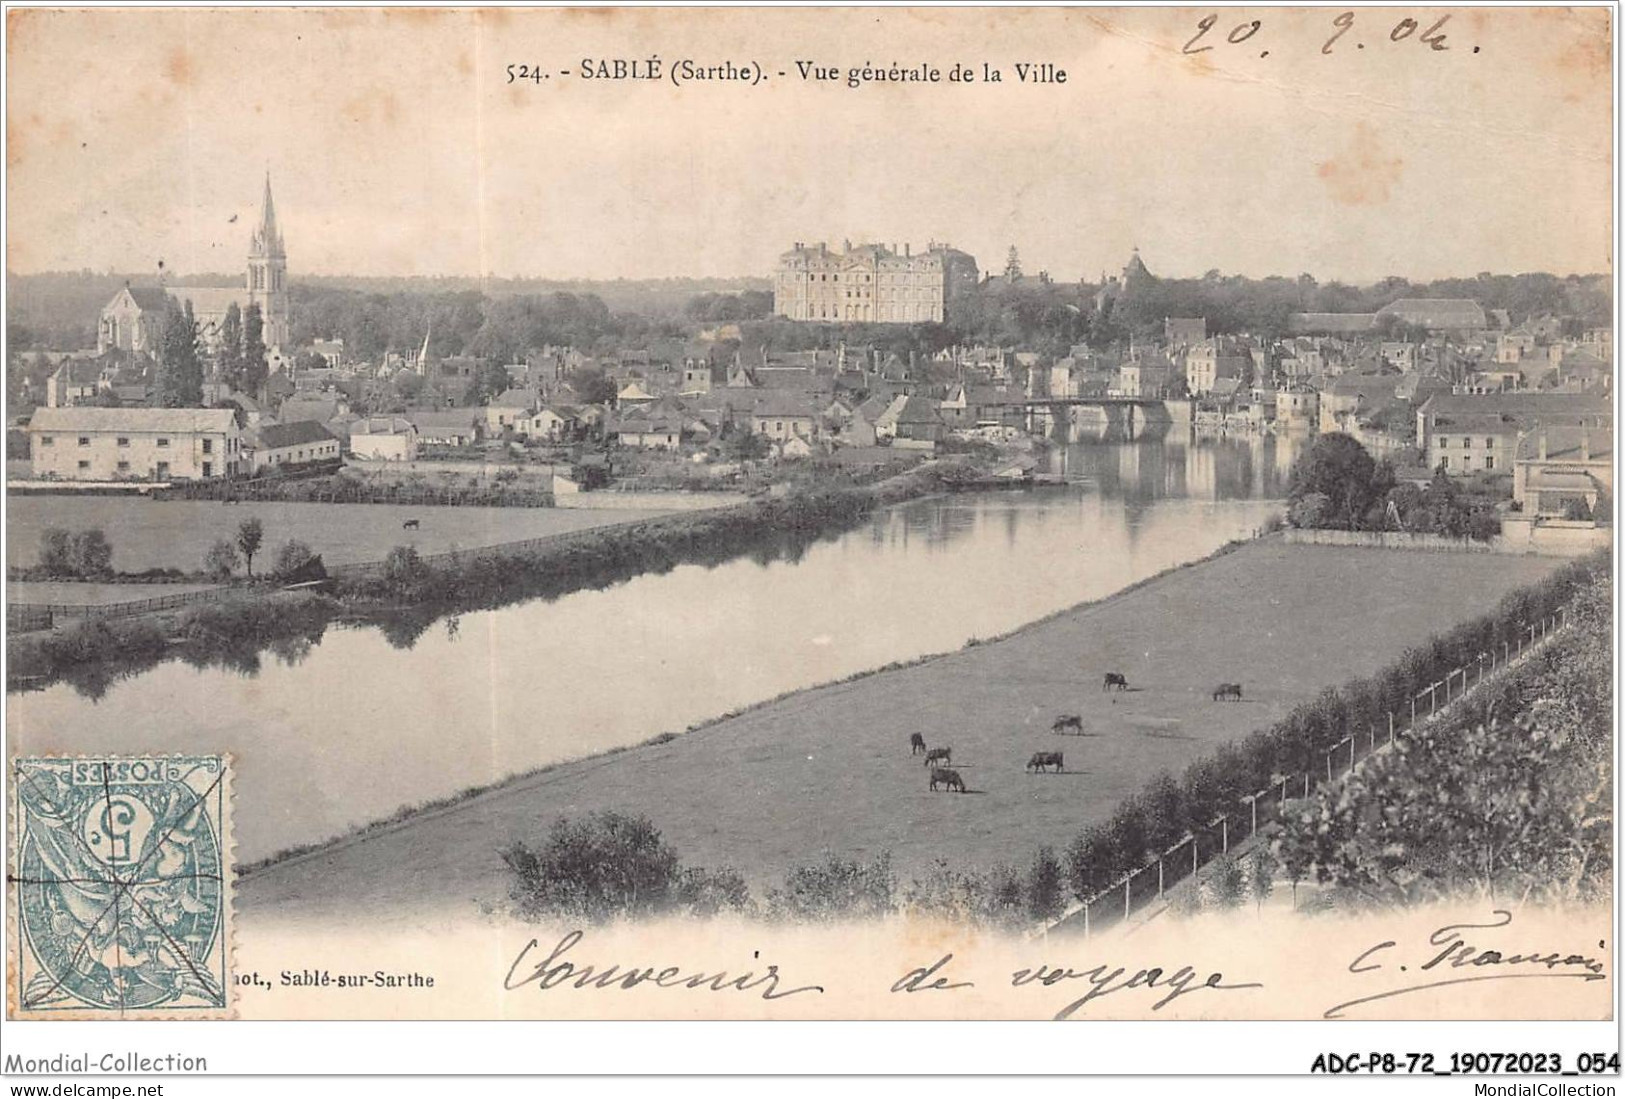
(231, 347)
(254, 370)
(180, 369)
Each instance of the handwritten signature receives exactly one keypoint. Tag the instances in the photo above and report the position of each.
(1449, 951)
(553, 971)
(1103, 980)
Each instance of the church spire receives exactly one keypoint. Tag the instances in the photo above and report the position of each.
(268, 273)
(267, 241)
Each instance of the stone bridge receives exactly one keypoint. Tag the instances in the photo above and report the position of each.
(1067, 419)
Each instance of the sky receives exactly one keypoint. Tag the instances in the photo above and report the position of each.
(397, 145)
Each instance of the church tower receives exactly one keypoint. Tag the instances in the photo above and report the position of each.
(268, 274)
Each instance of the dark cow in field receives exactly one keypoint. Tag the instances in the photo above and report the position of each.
(916, 744)
(946, 755)
(1115, 679)
(948, 780)
(1067, 723)
(1227, 690)
(1042, 760)
(411, 524)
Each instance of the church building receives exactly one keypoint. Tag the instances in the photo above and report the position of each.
(133, 320)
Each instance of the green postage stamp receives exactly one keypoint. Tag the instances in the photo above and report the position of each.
(120, 879)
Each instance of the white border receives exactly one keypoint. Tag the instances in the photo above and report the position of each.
(961, 1049)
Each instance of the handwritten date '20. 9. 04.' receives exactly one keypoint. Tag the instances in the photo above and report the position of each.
(1254, 34)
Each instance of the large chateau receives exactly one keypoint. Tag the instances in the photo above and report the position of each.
(133, 320)
(870, 283)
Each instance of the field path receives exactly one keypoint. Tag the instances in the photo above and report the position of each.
(829, 768)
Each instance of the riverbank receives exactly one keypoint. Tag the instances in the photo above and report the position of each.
(409, 592)
(829, 768)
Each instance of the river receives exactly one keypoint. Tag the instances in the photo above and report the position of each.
(351, 728)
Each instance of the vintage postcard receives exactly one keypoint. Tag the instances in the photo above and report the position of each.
(813, 514)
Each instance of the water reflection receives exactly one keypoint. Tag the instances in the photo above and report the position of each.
(1181, 465)
(344, 726)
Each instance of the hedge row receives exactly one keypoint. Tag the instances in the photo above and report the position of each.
(1167, 808)
(770, 528)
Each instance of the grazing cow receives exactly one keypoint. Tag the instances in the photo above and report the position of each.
(916, 744)
(411, 524)
(1227, 690)
(1042, 760)
(948, 780)
(1066, 722)
(1114, 679)
(944, 754)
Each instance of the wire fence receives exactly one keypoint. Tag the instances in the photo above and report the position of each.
(1147, 885)
(21, 617)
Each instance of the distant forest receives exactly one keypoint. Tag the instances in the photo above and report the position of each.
(503, 318)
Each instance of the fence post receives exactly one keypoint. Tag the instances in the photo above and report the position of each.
(1306, 774)
(1159, 877)
(1086, 919)
(1329, 766)
(1351, 753)
(1390, 728)
(1412, 725)
(1254, 801)
(1127, 894)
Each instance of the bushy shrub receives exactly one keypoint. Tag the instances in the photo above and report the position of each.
(221, 560)
(707, 893)
(78, 554)
(1310, 511)
(996, 898)
(291, 556)
(92, 553)
(1226, 882)
(56, 551)
(610, 865)
(604, 866)
(836, 888)
(1046, 895)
